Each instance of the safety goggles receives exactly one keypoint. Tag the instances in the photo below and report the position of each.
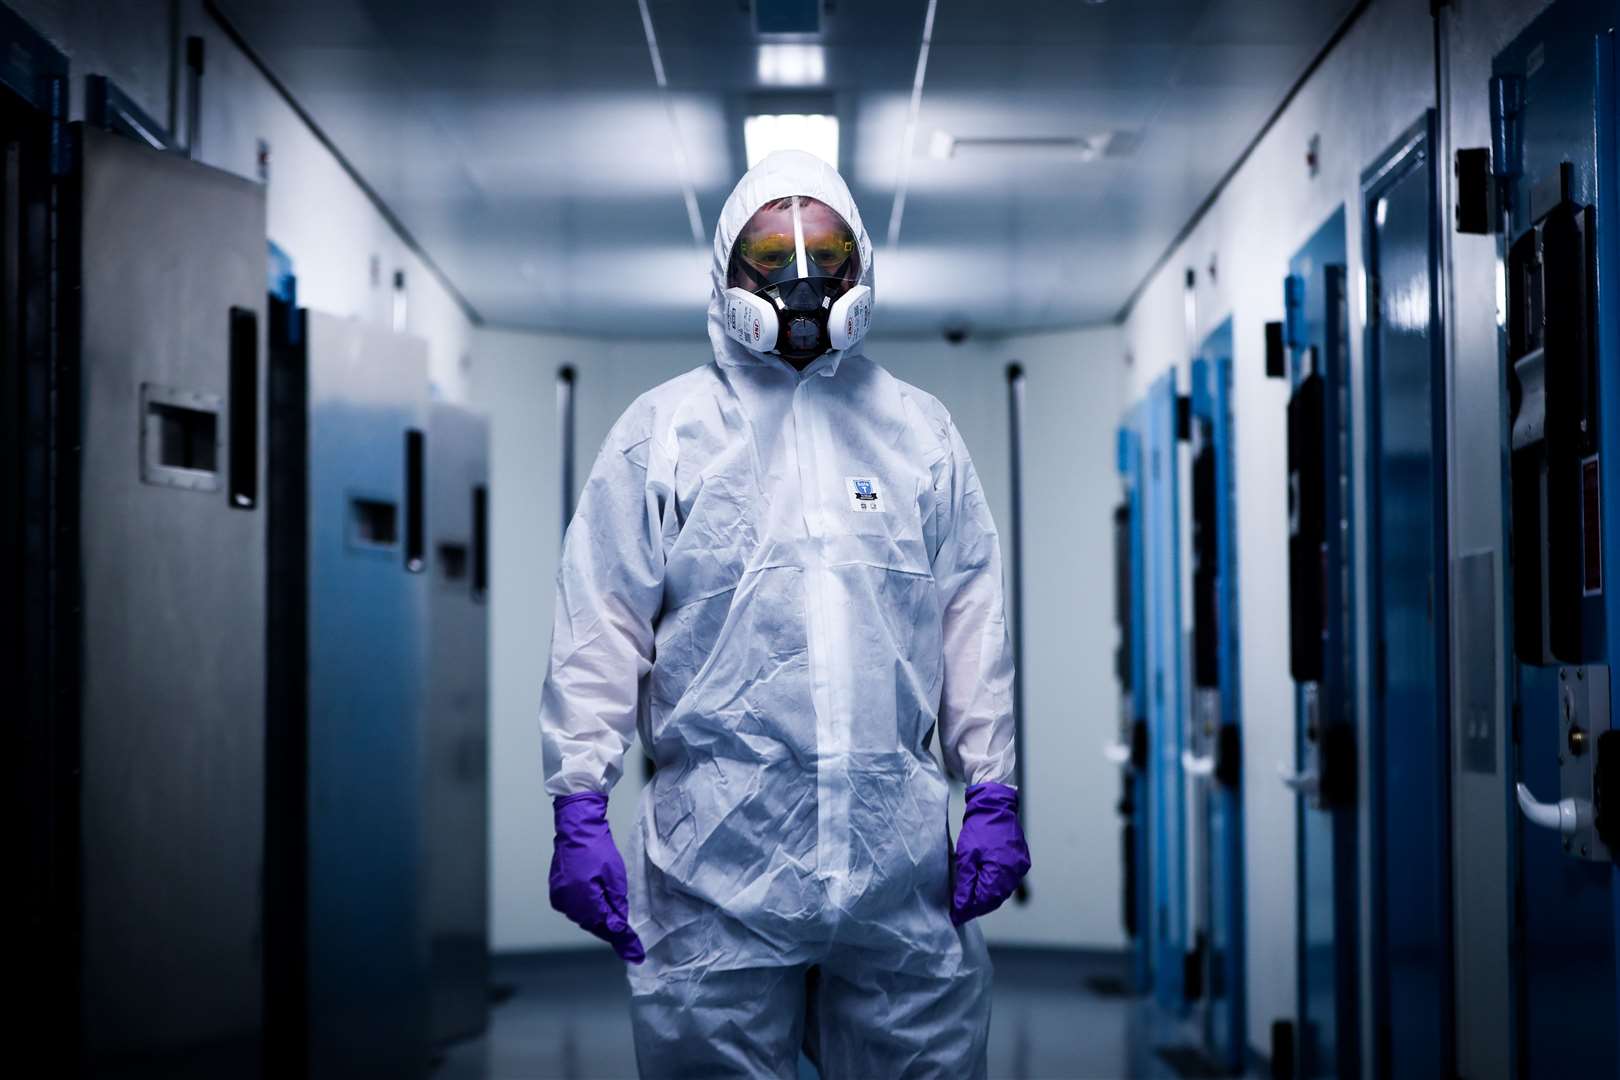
(796, 237)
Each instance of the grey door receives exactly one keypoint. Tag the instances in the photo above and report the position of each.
(168, 258)
(456, 798)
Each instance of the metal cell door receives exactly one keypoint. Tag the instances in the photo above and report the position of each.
(1322, 653)
(1215, 757)
(168, 258)
(456, 797)
(1165, 676)
(1553, 100)
(1131, 750)
(1409, 782)
(350, 962)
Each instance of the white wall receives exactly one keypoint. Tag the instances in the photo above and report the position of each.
(316, 212)
(1374, 86)
(514, 380)
(1074, 394)
(1071, 700)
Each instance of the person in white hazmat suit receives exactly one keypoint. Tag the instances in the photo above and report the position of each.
(783, 574)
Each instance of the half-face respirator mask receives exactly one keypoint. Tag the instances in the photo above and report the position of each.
(793, 282)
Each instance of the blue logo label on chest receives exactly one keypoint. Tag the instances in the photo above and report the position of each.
(864, 496)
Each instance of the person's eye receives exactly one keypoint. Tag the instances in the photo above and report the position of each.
(831, 252)
(770, 252)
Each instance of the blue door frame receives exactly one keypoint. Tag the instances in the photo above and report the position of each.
(1606, 62)
(1166, 690)
(1553, 97)
(1132, 671)
(1408, 737)
(1316, 333)
(1218, 719)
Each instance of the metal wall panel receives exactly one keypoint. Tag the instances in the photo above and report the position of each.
(1475, 637)
(1483, 836)
(173, 652)
(456, 797)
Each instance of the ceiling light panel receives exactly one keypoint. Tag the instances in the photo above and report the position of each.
(814, 133)
(943, 145)
(792, 65)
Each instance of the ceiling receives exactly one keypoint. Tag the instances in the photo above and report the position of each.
(529, 149)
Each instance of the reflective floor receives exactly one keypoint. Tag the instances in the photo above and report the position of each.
(1057, 1016)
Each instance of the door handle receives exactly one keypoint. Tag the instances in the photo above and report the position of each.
(1194, 765)
(1116, 753)
(415, 506)
(1568, 816)
(244, 408)
(480, 512)
(1303, 783)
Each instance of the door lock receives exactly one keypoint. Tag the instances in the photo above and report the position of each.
(1577, 740)
(1583, 718)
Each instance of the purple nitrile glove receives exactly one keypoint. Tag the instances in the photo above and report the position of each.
(587, 874)
(991, 856)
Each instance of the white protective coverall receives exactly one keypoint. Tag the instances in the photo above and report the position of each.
(788, 653)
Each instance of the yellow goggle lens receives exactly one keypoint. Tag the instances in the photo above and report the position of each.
(829, 252)
(772, 251)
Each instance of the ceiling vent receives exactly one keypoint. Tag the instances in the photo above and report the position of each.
(1121, 144)
(1111, 144)
(795, 17)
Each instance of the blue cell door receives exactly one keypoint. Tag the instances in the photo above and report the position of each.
(1322, 653)
(348, 962)
(1408, 736)
(1214, 758)
(1553, 98)
(1166, 705)
(1131, 749)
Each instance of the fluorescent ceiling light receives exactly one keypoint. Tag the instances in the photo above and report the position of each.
(814, 133)
(1115, 144)
(792, 65)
